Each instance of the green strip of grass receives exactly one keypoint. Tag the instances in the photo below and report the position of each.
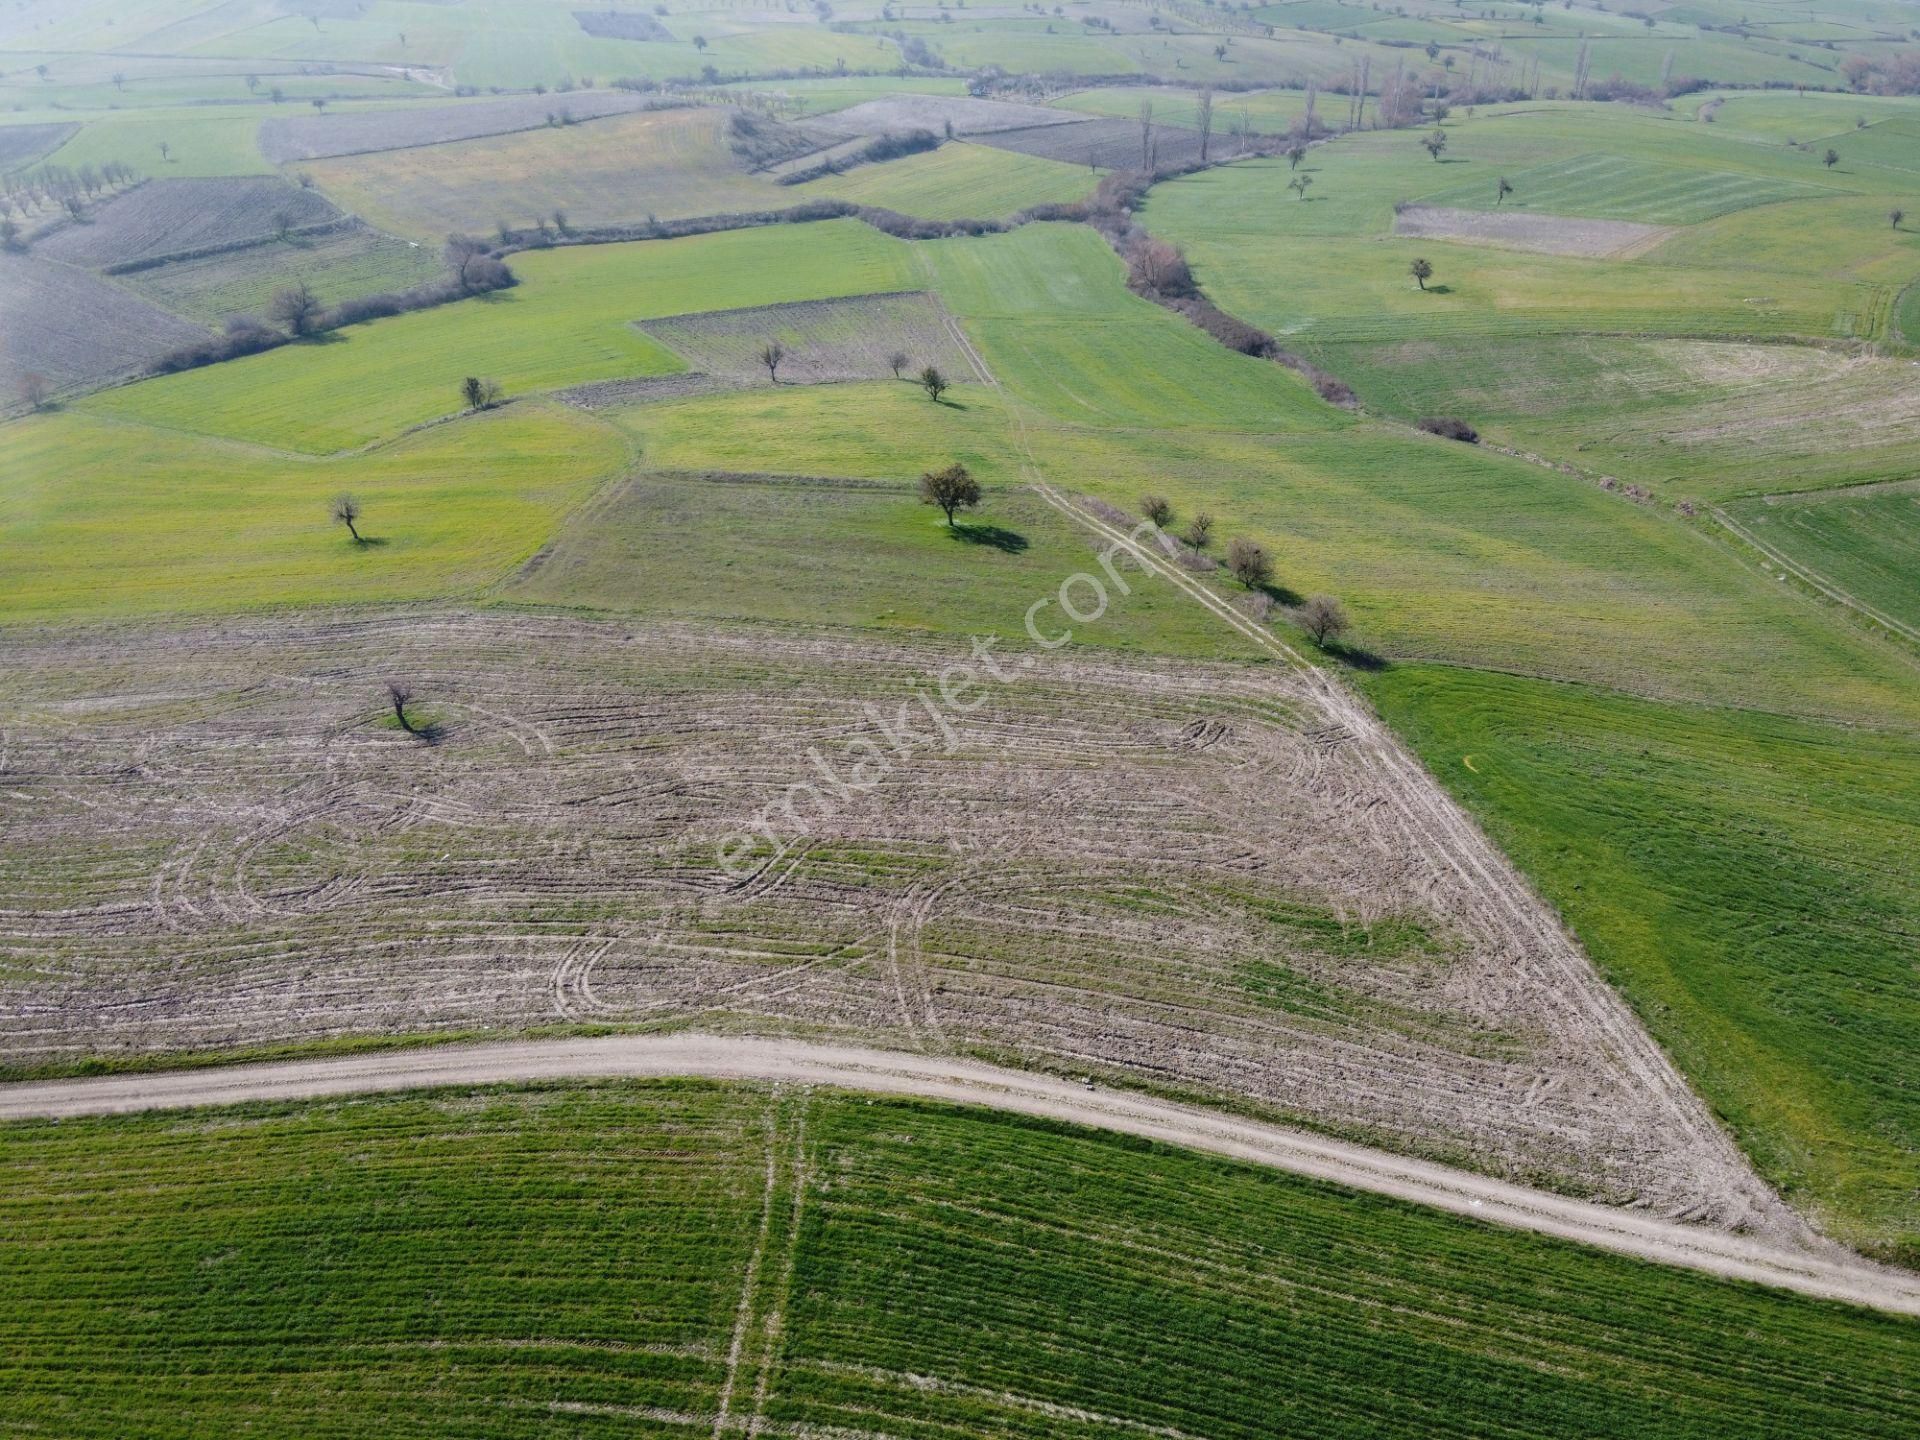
(1747, 882)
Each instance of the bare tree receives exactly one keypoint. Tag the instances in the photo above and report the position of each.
(952, 489)
(1435, 143)
(346, 511)
(10, 235)
(933, 382)
(1322, 617)
(1205, 117)
(1831, 158)
(899, 360)
(1296, 152)
(1422, 271)
(400, 695)
(319, 103)
(1146, 136)
(296, 307)
(166, 151)
(771, 354)
(1156, 509)
(1199, 531)
(1249, 563)
(1896, 215)
(282, 223)
(1501, 190)
(35, 390)
(1300, 183)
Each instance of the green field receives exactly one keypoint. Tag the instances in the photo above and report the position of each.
(689, 545)
(338, 265)
(1746, 882)
(569, 321)
(106, 520)
(1614, 187)
(956, 182)
(1863, 541)
(496, 1263)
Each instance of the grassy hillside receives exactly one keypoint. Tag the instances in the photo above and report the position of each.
(1745, 881)
(494, 1263)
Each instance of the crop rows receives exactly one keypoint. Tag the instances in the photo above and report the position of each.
(1184, 875)
(680, 1259)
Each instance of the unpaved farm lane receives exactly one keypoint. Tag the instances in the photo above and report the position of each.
(1832, 1275)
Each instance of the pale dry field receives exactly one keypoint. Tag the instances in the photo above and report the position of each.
(1193, 876)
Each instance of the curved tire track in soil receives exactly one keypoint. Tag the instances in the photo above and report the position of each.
(1833, 1276)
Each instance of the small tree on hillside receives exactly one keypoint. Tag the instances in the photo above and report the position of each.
(952, 489)
(296, 308)
(35, 390)
(771, 354)
(700, 42)
(346, 511)
(1831, 159)
(1199, 531)
(899, 360)
(282, 224)
(1501, 190)
(10, 235)
(933, 382)
(1422, 271)
(1435, 143)
(1896, 215)
(480, 394)
(1156, 509)
(1296, 152)
(1322, 617)
(1249, 563)
(1300, 183)
(166, 151)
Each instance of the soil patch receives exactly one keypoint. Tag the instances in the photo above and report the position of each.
(1521, 230)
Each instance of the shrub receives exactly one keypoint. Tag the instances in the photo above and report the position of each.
(1449, 428)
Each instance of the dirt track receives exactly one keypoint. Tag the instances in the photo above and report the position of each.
(944, 1078)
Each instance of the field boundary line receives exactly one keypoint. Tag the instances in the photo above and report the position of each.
(1816, 1269)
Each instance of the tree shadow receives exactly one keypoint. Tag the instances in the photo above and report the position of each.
(1007, 541)
(368, 542)
(950, 404)
(1357, 657)
(1278, 593)
(1439, 290)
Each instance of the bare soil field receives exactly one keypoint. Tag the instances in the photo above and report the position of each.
(364, 132)
(826, 340)
(622, 25)
(76, 329)
(1541, 234)
(21, 145)
(935, 112)
(1196, 875)
(1109, 144)
(180, 217)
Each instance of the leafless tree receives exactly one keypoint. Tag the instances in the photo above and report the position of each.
(1146, 136)
(771, 354)
(1249, 563)
(1422, 271)
(1435, 143)
(1199, 531)
(166, 151)
(282, 224)
(296, 308)
(1205, 117)
(899, 360)
(1896, 215)
(1831, 158)
(933, 382)
(1502, 188)
(400, 695)
(35, 390)
(346, 511)
(1156, 509)
(1322, 617)
(952, 489)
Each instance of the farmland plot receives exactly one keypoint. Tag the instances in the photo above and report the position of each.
(1193, 874)
(935, 112)
(1864, 540)
(826, 340)
(338, 263)
(1620, 188)
(1543, 234)
(314, 137)
(1110, 144)
(75, 328)
(178, 217)
(21, 145)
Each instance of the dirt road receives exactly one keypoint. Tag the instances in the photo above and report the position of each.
(1831, 1275)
